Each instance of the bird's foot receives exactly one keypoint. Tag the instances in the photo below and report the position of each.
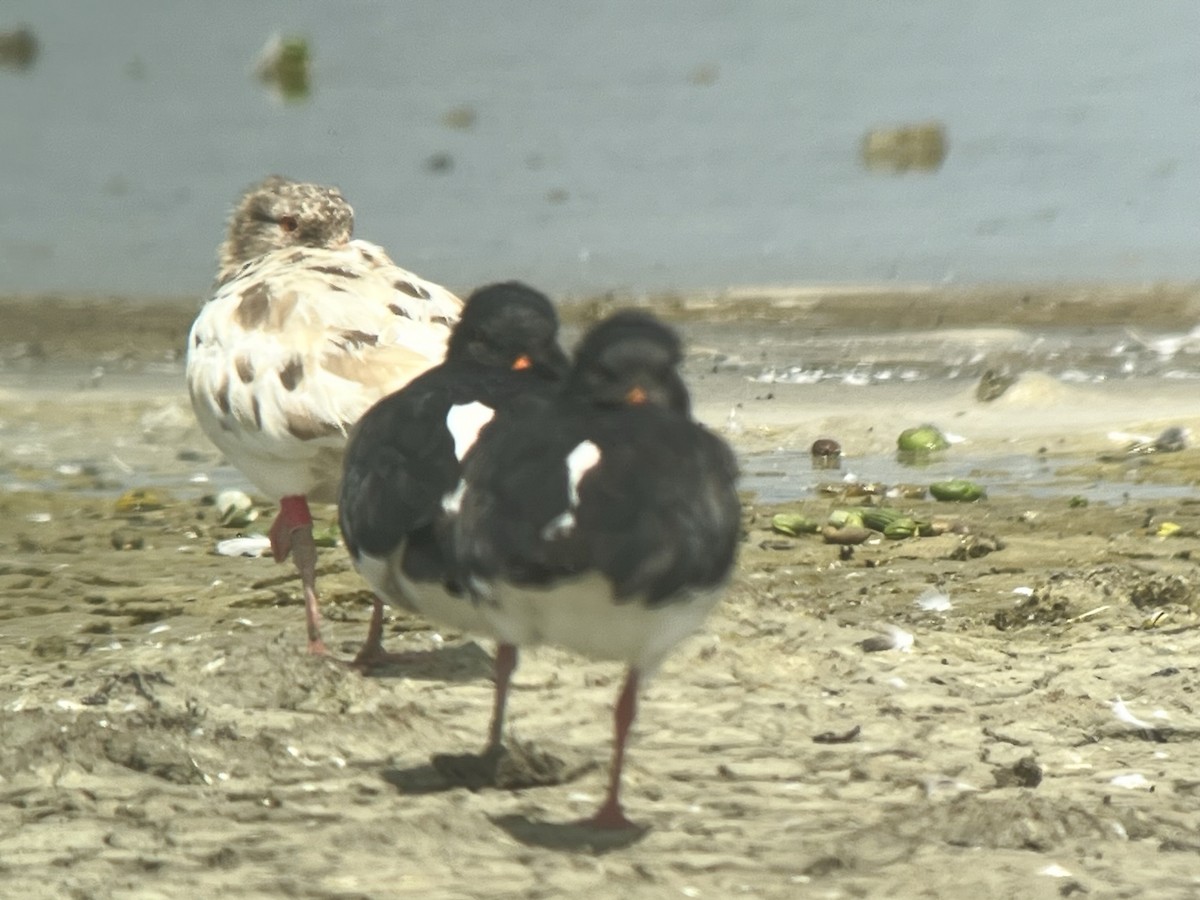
(609, 817)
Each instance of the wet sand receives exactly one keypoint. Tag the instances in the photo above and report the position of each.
(164, 734)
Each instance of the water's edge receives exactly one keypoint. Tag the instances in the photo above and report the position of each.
(70, 325)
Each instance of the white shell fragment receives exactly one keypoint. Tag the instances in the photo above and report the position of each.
(733, 422)
(938, 787)
(1121, 711)
(254, 545)
(1054, 870)
(933, 600)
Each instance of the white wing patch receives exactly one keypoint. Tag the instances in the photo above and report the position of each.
(464, 422)
(580, 461)
(452, 502)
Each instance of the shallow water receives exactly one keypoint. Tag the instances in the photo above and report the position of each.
(54, 437)
(787, 476)
(861, 358)
(693, 143)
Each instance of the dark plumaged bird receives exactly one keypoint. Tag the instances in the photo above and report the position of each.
(605, 523)
(404, 458)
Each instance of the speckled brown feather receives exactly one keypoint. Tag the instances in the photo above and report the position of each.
(298, 342)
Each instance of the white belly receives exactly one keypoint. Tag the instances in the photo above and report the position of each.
(580, 615)
(429, 599)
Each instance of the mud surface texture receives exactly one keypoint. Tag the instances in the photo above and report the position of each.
(1028, 729)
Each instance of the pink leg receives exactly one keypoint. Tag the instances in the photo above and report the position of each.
(372, 648)
(610, 814)
(293, 513)
(291, 533)
(372, 653)
(304, 555)
(506, 662)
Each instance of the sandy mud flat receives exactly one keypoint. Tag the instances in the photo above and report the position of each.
(163, 734)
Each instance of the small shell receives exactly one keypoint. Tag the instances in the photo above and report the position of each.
(1172, 440)
(1156, 618)
(255, 545)
(933, 600)
(826, 453)
(235, 509)
(850, 534)
(891, 637)
(863, 489)
(908, 491)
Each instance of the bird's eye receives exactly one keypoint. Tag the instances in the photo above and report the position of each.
(288, 223)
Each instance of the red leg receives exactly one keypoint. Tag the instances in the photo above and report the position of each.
(304, 555)
(506, 663)
(610, 814)
(293, 514)
(372, 648)
(292, 533)
(372, 653)
(280, 536)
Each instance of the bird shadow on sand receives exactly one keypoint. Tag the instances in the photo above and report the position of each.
(575, 837)
(459, 662)
(516, 766)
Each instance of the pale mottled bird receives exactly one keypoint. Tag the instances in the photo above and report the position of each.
(306, 329)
